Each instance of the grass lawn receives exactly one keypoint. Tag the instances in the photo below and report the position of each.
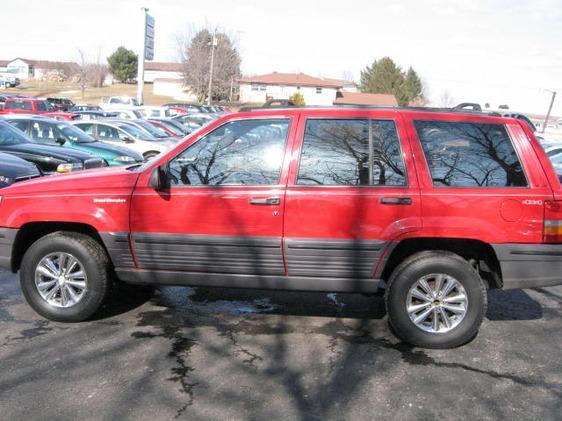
(91, 95)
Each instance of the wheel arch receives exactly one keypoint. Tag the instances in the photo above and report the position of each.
(32, 231)
(480, 254)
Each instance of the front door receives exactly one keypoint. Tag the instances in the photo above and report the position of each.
(352, 193)
(222, 213)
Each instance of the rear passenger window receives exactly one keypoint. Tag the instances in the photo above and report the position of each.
(463, 154)
(358, 152)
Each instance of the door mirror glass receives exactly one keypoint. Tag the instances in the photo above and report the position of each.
(60, 141)
(158, 179)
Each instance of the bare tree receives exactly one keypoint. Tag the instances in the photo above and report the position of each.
(446, 100)
(82, 71)
(194, 49)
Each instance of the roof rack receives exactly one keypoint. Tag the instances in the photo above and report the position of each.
(463, 108)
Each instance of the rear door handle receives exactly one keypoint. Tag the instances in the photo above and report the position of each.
(396, 201)
(265, 201)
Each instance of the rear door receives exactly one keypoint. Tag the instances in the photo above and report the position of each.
(352, 192)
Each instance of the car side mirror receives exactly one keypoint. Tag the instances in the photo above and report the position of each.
(159, 179)
(128, 140)
(60, 141)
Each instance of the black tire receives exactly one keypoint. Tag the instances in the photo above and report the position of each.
(418, 266)
(95, 263)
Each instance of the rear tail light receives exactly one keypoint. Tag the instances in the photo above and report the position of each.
(552, 232)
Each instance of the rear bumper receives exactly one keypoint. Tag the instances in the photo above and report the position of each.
(7, 240)
(530, 265)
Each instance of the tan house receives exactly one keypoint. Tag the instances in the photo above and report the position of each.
(359, 98)
(315, 90)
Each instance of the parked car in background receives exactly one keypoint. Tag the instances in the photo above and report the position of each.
(195, 121)
(16, 105)
(127, 114)
(3, 98)
(49, 159)
(174, 125)
(94, 115)
(124, 134)
(149, 129)
(61, 116)
(118, 102)
(14, 169)
(9, 80)
(47, 131)
(61, 104)
(85, 107)
(150, 112)
(190, 108)
(174, 111)
(170, 129)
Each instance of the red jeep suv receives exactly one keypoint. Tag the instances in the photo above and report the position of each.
(436, 206)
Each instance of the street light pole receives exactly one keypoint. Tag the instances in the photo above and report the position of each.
(549, 110)
(213, 45)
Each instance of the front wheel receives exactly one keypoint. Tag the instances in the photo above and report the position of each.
(436, 300)
(65, 276)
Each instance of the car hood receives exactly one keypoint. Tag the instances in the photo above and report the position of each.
(106, 147)
(13, 167)
(110, 179)
(65, 154)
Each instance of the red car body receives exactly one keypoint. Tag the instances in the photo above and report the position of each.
(34, 106)
(163, 127)
(124, 201)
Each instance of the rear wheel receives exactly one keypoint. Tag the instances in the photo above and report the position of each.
(65, 276)
(436, 300)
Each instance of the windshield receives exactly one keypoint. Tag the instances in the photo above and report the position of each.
(74, 134)
(11, 136)
(136, 132)
(153, 130)
(172, 128)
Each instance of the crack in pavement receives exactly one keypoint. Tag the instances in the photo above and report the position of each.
(181, 348)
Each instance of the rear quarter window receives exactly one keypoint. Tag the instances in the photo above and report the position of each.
(465, 154)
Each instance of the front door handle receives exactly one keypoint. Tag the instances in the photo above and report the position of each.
(265, 201)
(396, 201)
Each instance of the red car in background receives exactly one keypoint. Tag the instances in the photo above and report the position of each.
(34, 106)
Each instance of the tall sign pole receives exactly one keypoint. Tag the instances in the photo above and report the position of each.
(146, 51)
(214, 43)
(549, 110)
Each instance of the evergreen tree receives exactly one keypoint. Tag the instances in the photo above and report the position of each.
(123, 64)
(385, 77)
(413, 88)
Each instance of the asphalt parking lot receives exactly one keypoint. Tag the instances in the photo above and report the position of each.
(244, 354)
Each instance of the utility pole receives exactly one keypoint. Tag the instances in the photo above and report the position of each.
(214, 43)
(549, 109)
(140, 68)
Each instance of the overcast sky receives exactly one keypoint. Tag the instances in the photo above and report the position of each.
(504, 51)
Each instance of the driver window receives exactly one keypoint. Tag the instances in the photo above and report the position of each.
(246, 152)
